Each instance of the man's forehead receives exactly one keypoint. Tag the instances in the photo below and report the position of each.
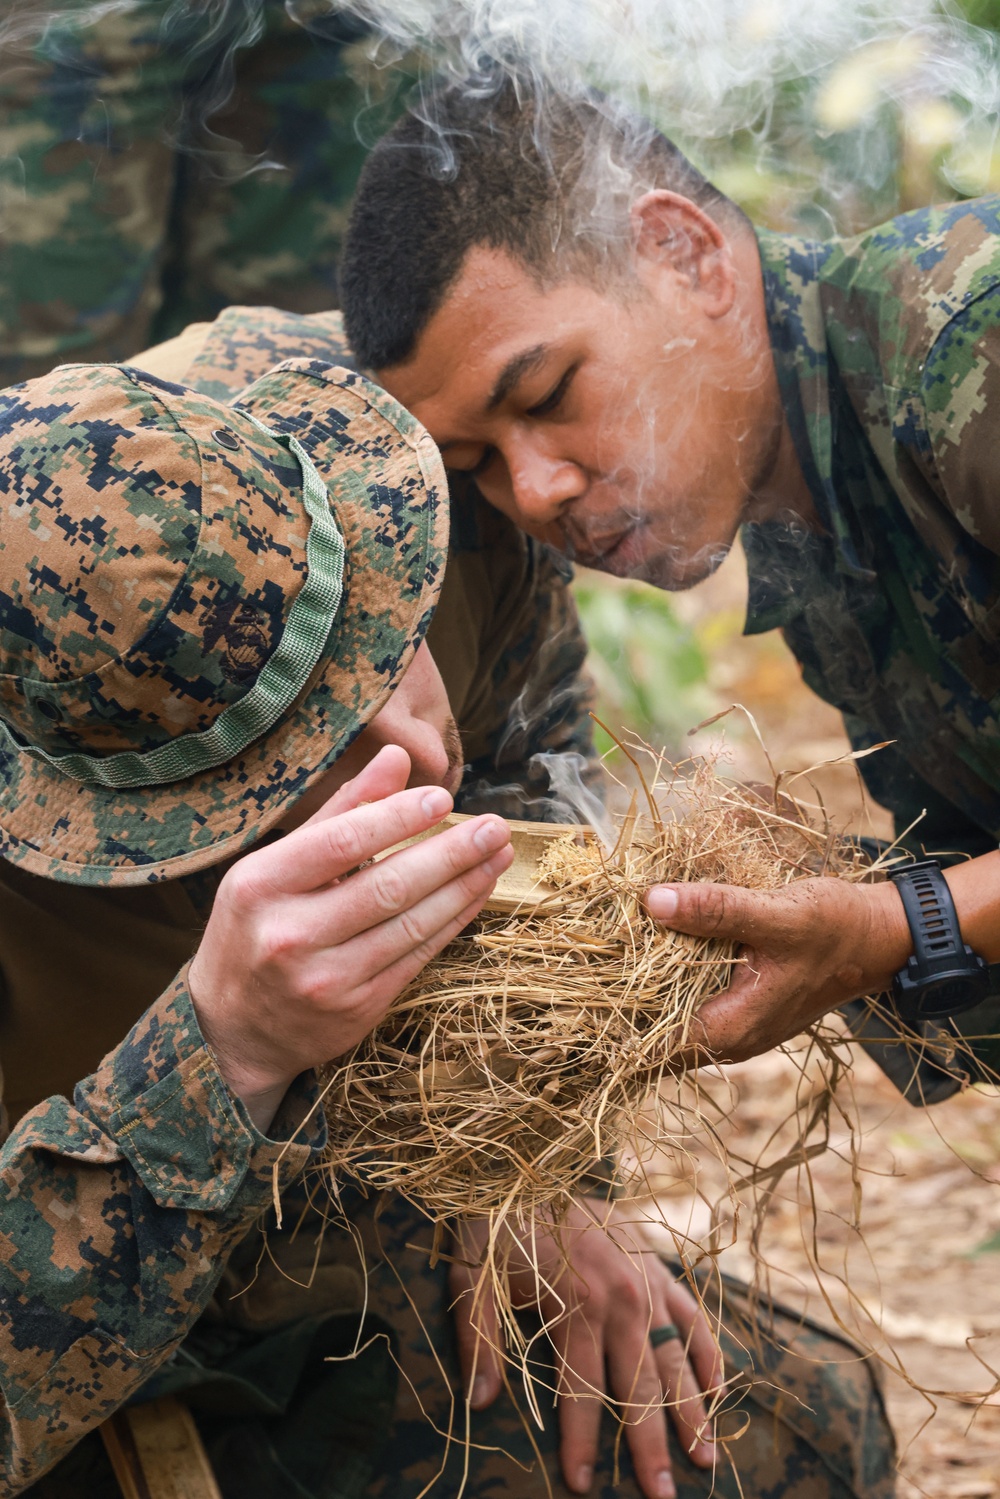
(484, 308)
(494, 327)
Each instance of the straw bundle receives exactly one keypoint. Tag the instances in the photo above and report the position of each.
(529, 1049)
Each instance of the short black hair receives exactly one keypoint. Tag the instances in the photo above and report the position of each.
(503, 162)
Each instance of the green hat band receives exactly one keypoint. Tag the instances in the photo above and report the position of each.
(280, 682)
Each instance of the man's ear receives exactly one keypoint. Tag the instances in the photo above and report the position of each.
(676, 241)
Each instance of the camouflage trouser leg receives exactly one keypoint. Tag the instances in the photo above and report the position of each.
(158, 162)
(811, 1415)
(263, 203)
(280, 1419)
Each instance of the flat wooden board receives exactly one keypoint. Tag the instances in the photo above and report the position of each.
(520, 885)
(157, 1453)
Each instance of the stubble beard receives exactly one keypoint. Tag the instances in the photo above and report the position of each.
(452, 741)
(676, 572)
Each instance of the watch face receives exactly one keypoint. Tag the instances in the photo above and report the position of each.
(951, 994)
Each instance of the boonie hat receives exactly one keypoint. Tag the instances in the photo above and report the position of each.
(201, 605)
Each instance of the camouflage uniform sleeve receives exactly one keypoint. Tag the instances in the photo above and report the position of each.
(221, 358)
(119, 1211)
(244, 342)
(960, 389)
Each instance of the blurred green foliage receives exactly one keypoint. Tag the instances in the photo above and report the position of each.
(650, 670)
(985, 13)
(877, 132)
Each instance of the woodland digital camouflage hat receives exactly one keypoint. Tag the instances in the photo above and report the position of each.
(201, 605)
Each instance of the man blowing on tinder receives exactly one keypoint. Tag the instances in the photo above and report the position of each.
(633, 373)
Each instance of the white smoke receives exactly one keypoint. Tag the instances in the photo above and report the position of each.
(829, 90)
(715, 67)
(809, 81)
(572, 800)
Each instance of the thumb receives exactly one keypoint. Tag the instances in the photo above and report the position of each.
(726, 911)
(382, 777)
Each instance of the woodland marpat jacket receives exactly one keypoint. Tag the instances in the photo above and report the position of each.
(119, 1210)
(887, 348)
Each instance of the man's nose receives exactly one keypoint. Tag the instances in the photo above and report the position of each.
(544, 486)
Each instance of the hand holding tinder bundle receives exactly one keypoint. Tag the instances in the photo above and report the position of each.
(531, 1047)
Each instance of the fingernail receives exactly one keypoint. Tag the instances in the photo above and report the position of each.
(435, 802)
(664, 1486)
(661, 902)
(490, 835)
(480, 1392)
(494, 868)
(703, 1453)
(584, 1475)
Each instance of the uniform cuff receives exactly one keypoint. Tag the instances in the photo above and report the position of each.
(162, 1098)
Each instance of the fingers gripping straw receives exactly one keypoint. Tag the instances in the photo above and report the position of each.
(529, 1049)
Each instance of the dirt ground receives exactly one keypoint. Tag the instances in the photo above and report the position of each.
(909, 1236)
(918, 1227)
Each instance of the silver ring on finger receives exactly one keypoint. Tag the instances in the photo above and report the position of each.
(663, 1334)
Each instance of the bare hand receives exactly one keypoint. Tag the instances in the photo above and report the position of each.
(301, 957)
(807, 948)
(613, 1289)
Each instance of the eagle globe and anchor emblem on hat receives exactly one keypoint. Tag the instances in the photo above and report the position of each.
(201, 605)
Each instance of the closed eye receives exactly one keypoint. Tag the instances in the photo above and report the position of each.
(552, 401)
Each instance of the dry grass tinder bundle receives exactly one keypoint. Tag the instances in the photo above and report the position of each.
(529, 1049)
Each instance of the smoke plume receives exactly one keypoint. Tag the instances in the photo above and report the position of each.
(828, 98)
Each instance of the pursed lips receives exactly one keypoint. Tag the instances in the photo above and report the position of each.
(595, 553)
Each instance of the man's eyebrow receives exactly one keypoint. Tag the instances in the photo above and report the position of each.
(513, 371)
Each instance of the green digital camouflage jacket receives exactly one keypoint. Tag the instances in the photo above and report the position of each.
(120, 1208)
(887, 348)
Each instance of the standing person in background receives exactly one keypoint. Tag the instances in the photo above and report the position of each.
(163, 160)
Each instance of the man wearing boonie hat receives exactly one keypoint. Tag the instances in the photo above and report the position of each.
(201, 615)
(212, 616)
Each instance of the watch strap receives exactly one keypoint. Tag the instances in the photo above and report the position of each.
(930, 912)
(940, 956)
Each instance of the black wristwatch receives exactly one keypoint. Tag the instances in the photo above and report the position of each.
(944, 976)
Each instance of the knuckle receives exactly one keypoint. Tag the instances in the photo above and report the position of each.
(427, 949)
(363, 1003)
(645, 1393)
(452, 848)
(343, 840)
(387, 888)
(277, 941)
(472, 885)
(313, 993)
(584, 1300)
(397, 815)
(456, 854)
(415, 934)
(712, 904)
(241, 886)
(631, 1296)
(315, 988)
(589, 1300)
